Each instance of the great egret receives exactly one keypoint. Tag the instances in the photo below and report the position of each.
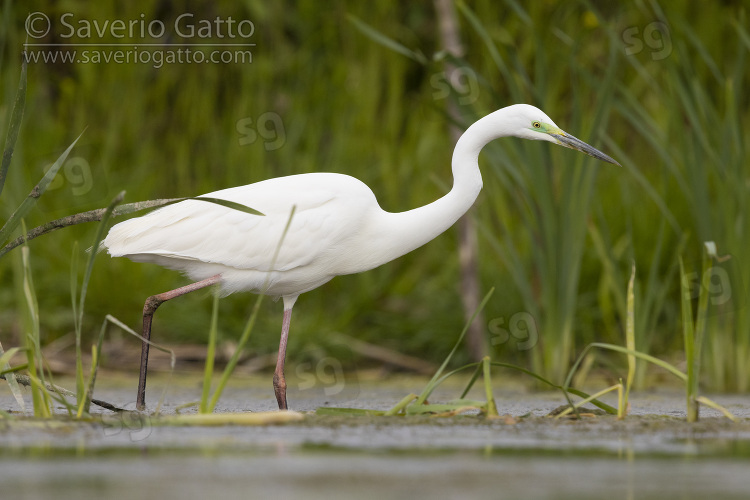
(337, 228)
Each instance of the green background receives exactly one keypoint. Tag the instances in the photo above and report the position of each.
(658, 87)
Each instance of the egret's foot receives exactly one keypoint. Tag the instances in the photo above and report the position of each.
(279, 388)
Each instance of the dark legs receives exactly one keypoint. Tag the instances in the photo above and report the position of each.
(149, 308)
(279, 382)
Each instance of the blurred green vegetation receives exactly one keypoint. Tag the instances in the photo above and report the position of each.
(658, 87)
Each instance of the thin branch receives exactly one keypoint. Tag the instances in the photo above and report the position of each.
(25, 380)
(387, 355)
(90, 216)
(468, 246)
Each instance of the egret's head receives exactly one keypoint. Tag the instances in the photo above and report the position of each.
(529, 122)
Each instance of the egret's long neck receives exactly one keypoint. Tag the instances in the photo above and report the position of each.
(418, 226)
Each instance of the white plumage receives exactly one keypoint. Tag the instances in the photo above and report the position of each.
(202, 239)
(338, 227)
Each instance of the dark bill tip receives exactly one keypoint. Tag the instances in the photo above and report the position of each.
(572, 142)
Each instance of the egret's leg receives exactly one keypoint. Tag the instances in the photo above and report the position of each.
(149, 308)
(279, 382)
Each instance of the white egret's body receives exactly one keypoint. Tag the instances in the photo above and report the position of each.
(338, 227)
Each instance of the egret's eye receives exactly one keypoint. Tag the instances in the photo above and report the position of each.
(537, 125)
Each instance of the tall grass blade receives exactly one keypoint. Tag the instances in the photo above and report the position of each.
(641, 355)
(472, 380)
(708, 255)
(435, 378)
(663, 364)
(695, 332)
(96, 353)
(210, 355)
(387, 42)
(84, 402)
(688, 332)
(479, 369)
(16, 118)
(5, 357)
(630, 339)
(10, 377)
(229, 369)
(27, 204)
(39, 397)
(491, 405)
(434, 383)
(491, 48)
(235, 356)
(76, 326)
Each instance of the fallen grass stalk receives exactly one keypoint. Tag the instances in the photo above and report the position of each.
(350, 412)
(259, 418)
(588, 400)
(445, 408)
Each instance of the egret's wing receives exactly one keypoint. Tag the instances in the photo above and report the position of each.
(206, 232)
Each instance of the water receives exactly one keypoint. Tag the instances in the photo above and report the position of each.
(653, 454)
